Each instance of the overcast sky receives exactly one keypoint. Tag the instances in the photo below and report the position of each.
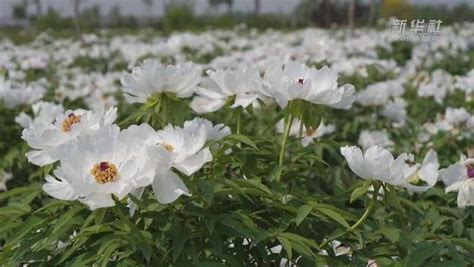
(137, 8)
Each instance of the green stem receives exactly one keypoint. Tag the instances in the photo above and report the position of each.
(153, 110)
(286, 133)
(364, 216)
(239, 112)
(369, 208)
(300, 134)
(164, 111)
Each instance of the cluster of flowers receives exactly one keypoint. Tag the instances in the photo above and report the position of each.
(250, 70)
(96, 158)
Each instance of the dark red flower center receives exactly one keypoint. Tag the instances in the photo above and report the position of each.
(103, 166)
(470, 171)
(300, 80)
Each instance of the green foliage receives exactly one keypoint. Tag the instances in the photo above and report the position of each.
(244, 204)
(178, 17)
(401, 52)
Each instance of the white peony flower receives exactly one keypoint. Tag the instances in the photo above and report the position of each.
(466, 83)
(13, 97)
(294, 128)
(460, 177)
(43, 112)
(47, 138)
(4, 177)
(438, 85)
(453, 120)
(456, 116)
(185, 148)
(154, 78)
(308, 135)
(396, 111)
(221, 84)
(374, 138)
(378, 94)
(379, 164)
(104, 163)
(213, 132)
(298, 81)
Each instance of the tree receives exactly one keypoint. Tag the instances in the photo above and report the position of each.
(257, 6)
(350, 14)
(396, 8)
(215, 3)
(77, 10)
(38, 7)
(148, 6)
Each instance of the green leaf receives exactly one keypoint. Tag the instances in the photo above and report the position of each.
(467, 244)
(19, 191)
(179, 239)
(423, 252)
(360, 191)
(67, 217)
(286, 244)
(14, 209)
(392, 199)
(333, 215)
(302, 212)
(301, 244)
(391, 234)
(243, 139)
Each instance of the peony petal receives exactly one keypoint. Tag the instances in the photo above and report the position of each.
(168, 186)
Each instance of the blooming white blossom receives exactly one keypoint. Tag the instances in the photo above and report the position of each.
(4, 177)
(395, 110)
(95, 166)
(438, 85)
(298, 81)
(47, 138)
(466, 83)
(453, 120)
(378, 94)
(221, 84)
(43, 113)
(153, 78)
(308, 135)
(185, 152)
(379, 164)
(460, 177)
(13, 97)
(374, 138)
(213, 132)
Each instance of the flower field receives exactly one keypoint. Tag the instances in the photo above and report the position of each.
(238, 147)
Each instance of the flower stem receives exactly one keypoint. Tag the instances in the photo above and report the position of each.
(284, 141)
(164, 111)
(239, 113)
(300, 134)
(369, 209)
(364, 216)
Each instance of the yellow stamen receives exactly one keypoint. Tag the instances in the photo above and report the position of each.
(168, 147)
(70, 121)
(414, 179)
(310, 132)
(104, 172)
